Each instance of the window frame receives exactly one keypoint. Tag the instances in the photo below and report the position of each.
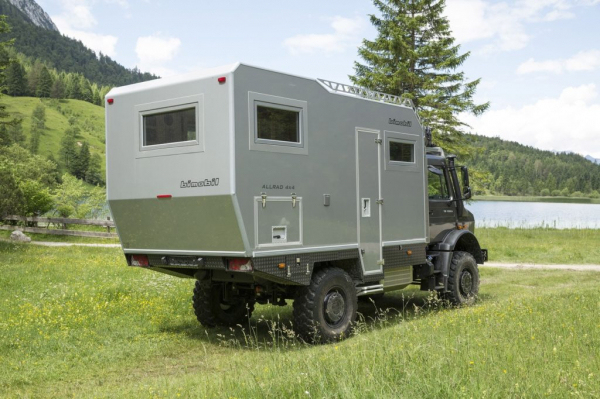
(406, 138)
(174, 148)
(287, 104)
(448, 188)
(159, 111)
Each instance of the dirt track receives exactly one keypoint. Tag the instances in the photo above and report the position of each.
(595, 268)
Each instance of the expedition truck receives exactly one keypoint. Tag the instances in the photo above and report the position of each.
(264, 186)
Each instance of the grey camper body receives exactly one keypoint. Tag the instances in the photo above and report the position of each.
(201, 182)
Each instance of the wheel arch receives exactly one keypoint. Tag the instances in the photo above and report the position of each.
(461, 240)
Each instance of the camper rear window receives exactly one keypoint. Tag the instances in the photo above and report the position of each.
(277, 124)
(402, 152)
(170, 127)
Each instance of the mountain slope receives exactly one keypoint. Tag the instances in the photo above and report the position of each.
(509, 168)
(63, 53)
(35, 13)
(592, 159)
(60, 115)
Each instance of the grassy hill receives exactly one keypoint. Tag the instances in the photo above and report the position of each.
(60, 114)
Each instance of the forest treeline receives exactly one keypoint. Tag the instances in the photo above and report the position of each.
(507, 168)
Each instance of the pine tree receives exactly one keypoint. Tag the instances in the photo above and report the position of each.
(16, 81)
(38, 117)
(59, 87)
(73, 87)
(33, 77)
(44, 86)
(93, 174)
(415, 56)
(5, 117)
(16, 134)
(81, 162)
(86, 90)
(68, 149)
(34, 138)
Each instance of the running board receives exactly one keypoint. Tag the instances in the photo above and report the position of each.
(369, 290)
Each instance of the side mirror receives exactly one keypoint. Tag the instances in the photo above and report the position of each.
(465, 182)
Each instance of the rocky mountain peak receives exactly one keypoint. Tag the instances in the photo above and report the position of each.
(35, 13)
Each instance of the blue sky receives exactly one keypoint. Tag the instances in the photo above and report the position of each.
(539, 60)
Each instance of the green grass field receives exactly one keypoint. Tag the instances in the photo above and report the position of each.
(77, 322)
(542, 246)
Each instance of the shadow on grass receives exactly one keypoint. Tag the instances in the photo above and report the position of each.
(272, 326)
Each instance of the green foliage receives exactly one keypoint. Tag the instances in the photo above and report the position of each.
(81, 161)
(25, 180)
(44, 85)
(415, 56)
(74, 198)
(94, 175)
(16, 80)
(36, 198)
(513, 169)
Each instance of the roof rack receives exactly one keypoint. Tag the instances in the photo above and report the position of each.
(342, 88)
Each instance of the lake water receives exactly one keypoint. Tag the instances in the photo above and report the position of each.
(535, 214)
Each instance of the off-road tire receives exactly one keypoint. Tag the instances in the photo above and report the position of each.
(463, 279)
(325, 310)
(211, 311)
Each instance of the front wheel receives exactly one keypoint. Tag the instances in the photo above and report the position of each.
(325, 310)
(463, 279)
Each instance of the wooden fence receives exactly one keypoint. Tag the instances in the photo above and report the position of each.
(64, 222)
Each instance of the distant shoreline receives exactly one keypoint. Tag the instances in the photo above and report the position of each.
(516, 198)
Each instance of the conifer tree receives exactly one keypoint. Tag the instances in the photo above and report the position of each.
(44, 86)
(16, 81)
(415, 56)
(58, 87)
(68, 149)
(86, 90)
(81, 162)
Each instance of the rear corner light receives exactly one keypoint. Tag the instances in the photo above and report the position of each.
(110, 101)
(139, 260)
(240, 265)
(222, 79)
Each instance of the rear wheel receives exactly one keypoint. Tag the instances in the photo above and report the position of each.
(463, 279)
(324, 311)
(212, 307)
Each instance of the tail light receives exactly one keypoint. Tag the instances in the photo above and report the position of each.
(139, 260)
(240, 265)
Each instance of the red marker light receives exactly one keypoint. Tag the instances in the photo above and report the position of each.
(164, 196)
(222, 79)
(110, 100)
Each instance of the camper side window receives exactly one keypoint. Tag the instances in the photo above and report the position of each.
(402, 152)
(279, 124)
(173, 126)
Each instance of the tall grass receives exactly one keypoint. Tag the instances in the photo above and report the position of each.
(76, 322)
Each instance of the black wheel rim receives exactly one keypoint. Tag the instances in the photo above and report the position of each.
(466, 283)
(334, 307)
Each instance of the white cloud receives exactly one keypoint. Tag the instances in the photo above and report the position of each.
(505, 23)
(77, 21)
(566, 123)
(346, 33)
(155, 51)
(582, 61)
